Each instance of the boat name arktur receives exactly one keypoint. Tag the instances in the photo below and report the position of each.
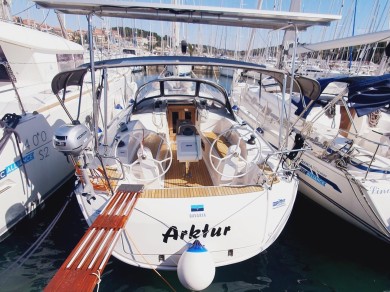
(173, 232)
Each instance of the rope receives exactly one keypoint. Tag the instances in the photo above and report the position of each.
(331, 113)
(6, 136)
(346, 153)
(307, 129)
(8, 123)
(30, 251)
(151, 266)
(97, 274)
(105, 174)
(373, 118)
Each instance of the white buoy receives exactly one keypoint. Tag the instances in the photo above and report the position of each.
(196, 268)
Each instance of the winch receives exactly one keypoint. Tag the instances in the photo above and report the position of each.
(71, 139)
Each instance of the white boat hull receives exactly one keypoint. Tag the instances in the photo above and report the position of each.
(233, 228)
(26, 182)
(353, 200)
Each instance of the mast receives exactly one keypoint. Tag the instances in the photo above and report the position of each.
(175, 34)
(61, 21)
(353, 33)
(81, 34)
(289, 36)
(5, 11)
(253, 31)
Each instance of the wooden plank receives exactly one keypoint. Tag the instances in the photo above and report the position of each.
(185, 192)
(90, 256)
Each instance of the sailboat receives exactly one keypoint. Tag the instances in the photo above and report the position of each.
(345, 120)
(348, 170)
(347, 127)
(176, 182)
(30, 168)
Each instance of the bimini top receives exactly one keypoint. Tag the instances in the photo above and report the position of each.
(191, 14)
(175, 88)
(307, 86)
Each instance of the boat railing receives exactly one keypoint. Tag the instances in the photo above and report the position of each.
(12, 78)
(104, 177)
(289, 166)
(348, 153)
(107, 157)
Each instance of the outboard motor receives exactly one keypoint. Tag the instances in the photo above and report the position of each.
(71, 139)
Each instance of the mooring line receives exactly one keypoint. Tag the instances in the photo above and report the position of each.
(30, 251)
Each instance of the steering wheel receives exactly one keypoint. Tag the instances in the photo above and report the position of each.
(144, 154)
(244, 135)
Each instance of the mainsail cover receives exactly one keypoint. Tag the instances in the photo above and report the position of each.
(365, 93)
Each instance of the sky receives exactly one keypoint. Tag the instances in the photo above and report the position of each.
(371, 15)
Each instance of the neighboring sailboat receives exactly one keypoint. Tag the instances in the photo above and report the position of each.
(348, 170)
(324, 68)
(30, 169)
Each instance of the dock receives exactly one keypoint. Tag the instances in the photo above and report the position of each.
(82, 269)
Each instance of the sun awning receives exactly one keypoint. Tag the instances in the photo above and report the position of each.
(191, 14)
(309, 87)
(306, 86)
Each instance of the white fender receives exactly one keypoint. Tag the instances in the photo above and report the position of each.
(196, 268)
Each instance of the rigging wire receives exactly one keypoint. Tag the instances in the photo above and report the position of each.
(43, 21)
(24, 10)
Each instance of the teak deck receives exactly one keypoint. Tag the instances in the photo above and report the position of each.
(198, 172)
(176, 175)
(83, 267)
(193, 192)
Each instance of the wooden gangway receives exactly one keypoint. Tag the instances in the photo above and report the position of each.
(82, 269)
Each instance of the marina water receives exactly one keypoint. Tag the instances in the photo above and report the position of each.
(316, 251)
